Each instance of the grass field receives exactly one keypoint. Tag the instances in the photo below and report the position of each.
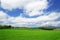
(29, 34)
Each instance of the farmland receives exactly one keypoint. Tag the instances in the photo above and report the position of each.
(29, 34)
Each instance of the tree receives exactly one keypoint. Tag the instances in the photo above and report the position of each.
(47, 28)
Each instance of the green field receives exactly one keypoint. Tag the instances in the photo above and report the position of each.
(29, 34)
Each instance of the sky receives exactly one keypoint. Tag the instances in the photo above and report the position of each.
(30, 13)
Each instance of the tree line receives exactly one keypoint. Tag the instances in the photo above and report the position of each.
(9, 27)
(5, 26)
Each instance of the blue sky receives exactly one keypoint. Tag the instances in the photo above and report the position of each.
(26, 13)
(55, 5)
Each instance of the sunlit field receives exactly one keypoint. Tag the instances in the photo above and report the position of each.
(29, 34)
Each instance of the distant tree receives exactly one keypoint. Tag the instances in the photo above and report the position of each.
(0, 26)
(47, 28)
(5, 26)
(9, 26)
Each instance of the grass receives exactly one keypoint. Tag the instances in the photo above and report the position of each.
(29, 34)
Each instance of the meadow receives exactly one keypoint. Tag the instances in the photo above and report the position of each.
(29, 34)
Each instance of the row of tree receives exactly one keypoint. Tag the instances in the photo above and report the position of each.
(47, 28)
(9, 26)
(5, 26)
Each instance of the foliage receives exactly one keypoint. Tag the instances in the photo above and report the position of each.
(5, 26)
(47, 28)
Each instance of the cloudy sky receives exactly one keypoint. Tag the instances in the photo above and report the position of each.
(30, 13)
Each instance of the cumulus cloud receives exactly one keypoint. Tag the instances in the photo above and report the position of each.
(39, 21)
(31, 8)
(31, 22)
(3, 17)
(36, 7)
(51, 23)
(11, 4)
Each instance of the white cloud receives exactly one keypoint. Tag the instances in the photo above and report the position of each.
(31, 8)
(36, 7)
(12, 4)
(51, 23)
(54, 15)
(31, 22)
(41, 21)
(3, 17)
